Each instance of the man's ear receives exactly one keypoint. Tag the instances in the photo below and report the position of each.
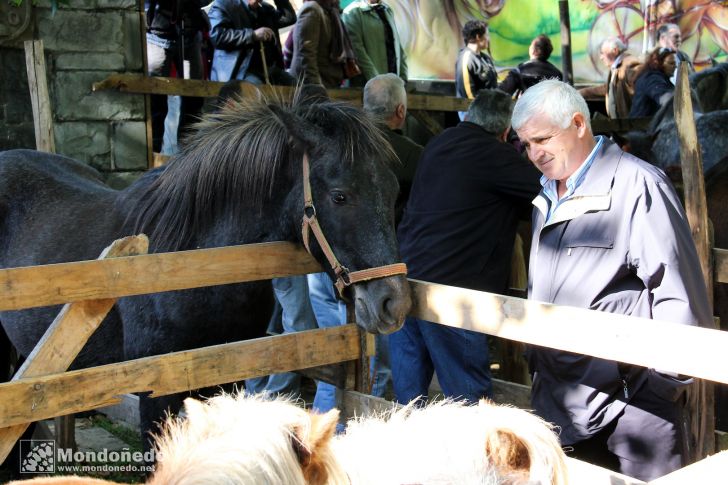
(504, 136)
(580, 124)
(401, 111)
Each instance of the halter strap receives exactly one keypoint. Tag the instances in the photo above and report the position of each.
(344, 277)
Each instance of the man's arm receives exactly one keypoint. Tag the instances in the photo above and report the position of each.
(664, 256)
(223, 33)
(352, 18)
(285, 14)
(306, 38)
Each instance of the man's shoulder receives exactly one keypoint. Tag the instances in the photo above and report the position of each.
(634, 168)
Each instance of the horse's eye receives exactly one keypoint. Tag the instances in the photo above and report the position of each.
(338, 197)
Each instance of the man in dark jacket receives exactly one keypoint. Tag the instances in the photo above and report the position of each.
(245, 36)
(534, 70)
(474, 69)
(458, 229)
(609, 234)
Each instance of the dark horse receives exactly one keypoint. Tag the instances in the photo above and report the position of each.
(238, 180)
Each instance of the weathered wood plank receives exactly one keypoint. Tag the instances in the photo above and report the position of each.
(720, 263)
(353, 404)
(581, 472)
(47, 396)
(39, 98)
(701, 397)
(619, 125)
(708, 470)
(427, 121)
(698, 352)
(67, 282)
(139, 84)
(66, 336)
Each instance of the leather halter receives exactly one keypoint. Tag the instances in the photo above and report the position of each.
(344, 277)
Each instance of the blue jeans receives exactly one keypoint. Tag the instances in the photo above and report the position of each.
(331, 312)
(460, 358)
(297, 315)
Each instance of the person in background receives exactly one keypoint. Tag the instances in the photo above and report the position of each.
(534, 70)
(619, 88)
(458, 228)
(374, 37)
(609, 234)
(474, 69)
(653, 87)
(321, 47)
(174, 39)
(385, 98)
(245, 36)
(670, 37)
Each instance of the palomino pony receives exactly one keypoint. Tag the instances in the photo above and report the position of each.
(248, 440)
(238, 180)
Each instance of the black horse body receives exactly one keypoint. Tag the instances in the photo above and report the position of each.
(238, 181)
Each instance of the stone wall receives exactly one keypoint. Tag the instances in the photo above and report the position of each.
(85, 41)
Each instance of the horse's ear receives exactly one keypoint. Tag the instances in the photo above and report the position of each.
(302, 135)
(312, 449)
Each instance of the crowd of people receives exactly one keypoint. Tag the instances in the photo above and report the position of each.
(608, 231)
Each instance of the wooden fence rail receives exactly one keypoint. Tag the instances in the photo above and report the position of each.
(140, 84)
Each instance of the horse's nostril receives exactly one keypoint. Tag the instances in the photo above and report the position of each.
(388, 307)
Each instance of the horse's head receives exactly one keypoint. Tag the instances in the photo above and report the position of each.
(239, 179)
(352, 195)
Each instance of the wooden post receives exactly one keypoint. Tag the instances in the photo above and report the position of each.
(67, 335)
(38, 85)
(701, 398)
(566, 66)
(151, 159)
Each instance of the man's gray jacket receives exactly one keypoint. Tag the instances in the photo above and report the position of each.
(620, 244)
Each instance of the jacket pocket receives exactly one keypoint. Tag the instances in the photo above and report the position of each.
(667, 387)
(590, 241)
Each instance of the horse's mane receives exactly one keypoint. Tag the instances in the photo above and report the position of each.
(234, 157)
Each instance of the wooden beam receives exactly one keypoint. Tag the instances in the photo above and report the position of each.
(720, 263)
(581, 472)
(37, 398)
(66, 336)
(39, 98)
(430, 124)
(566, 64)
(708, 470)
(603, 125)
(54, 284)
(139, 84)
(701, 396)
(684, 349)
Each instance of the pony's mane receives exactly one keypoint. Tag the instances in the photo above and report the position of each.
(234, 157)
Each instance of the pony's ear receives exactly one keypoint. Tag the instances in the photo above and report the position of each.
(312, 448)
(302, 136)
(508, 453)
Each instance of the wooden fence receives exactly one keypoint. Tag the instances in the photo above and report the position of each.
(41, 389)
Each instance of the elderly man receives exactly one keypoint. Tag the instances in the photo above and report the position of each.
(619, 88)
(609, 234)
(670, 37)
(458, 228)
(247, 45)
(385, 98)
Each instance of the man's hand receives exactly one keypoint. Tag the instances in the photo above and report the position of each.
(264, 34)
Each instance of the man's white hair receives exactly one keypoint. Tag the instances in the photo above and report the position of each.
(612, 42)
(556, 99)
(382, 95)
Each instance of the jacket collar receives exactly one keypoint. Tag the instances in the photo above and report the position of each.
(595, 191)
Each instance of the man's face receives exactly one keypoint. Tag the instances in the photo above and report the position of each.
(607, 55)
(551, 148)
(671, 39)
(483, 40)
(254, 3)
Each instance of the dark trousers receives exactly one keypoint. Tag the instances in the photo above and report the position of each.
(645, 442)
(460, 358)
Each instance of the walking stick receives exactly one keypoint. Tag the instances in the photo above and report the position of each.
(265, 64)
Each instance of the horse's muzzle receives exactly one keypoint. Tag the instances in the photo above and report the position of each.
(382, 304)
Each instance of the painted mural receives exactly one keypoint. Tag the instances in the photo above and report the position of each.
(431, 30)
